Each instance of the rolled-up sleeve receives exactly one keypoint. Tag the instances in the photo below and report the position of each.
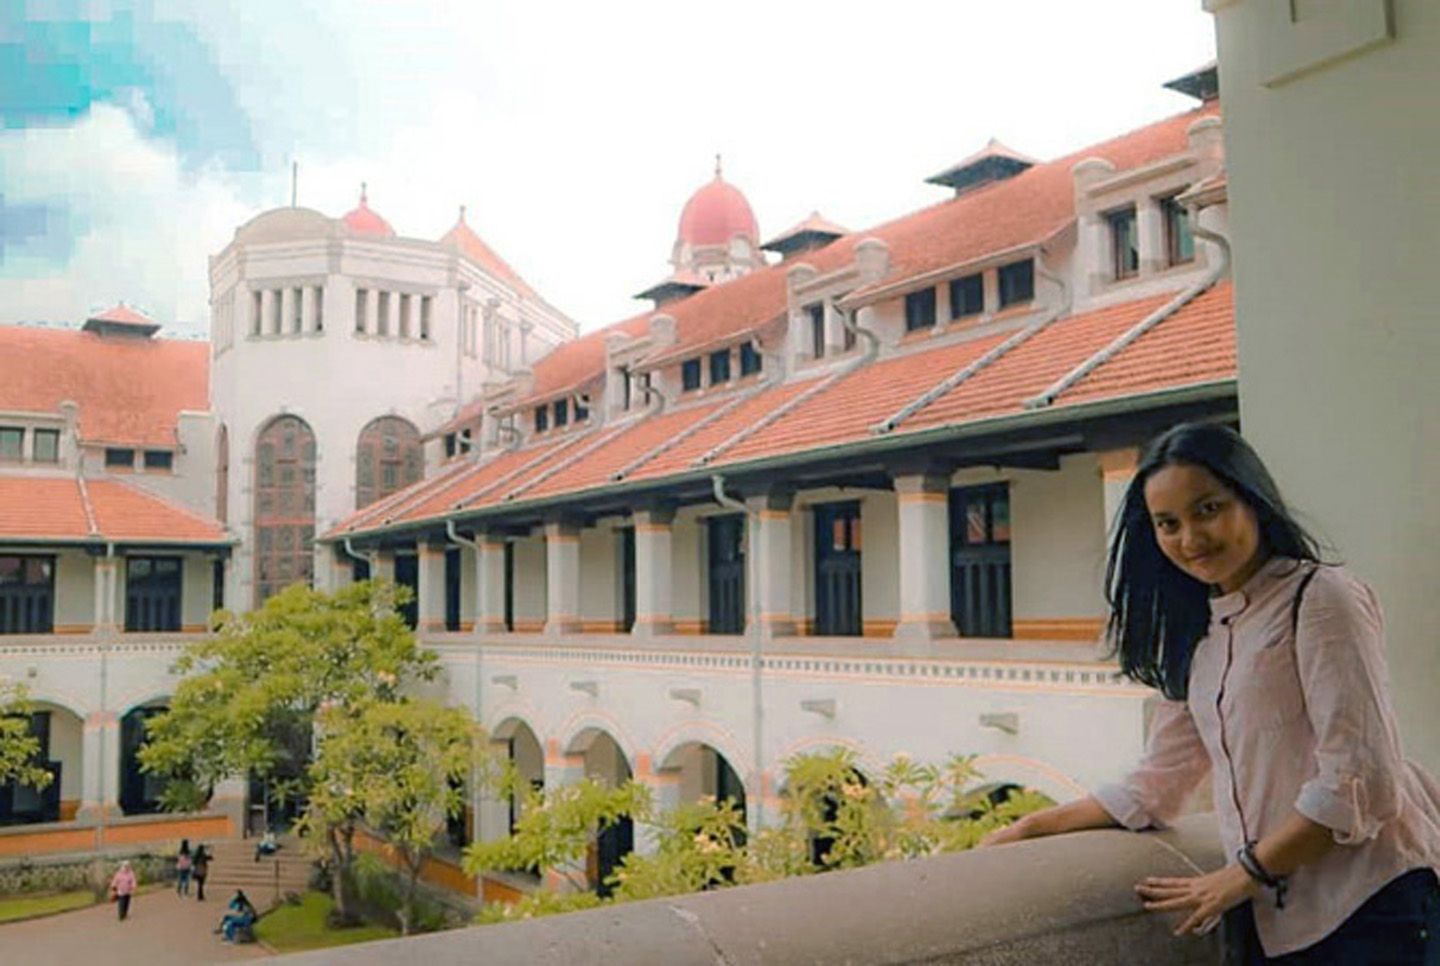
(1340, 655)
(1175, 762)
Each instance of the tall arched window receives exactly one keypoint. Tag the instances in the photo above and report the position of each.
(222, 475)
(284, 506)
(388, 458)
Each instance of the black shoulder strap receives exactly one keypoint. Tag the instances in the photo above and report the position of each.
(1299, 596)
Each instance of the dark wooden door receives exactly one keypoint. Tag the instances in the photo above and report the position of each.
(980, 590)
(837, 570)
(727, 574)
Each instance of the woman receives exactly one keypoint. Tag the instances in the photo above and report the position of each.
(199, 869)
(122, 887)
(1273, 666)
(241, 915)
(184, 865)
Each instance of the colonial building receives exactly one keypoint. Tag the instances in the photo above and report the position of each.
(855, 492)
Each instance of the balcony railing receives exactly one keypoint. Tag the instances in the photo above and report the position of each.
(1065, 900)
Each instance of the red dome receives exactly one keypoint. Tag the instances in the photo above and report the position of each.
(717, 213)
(363, 221)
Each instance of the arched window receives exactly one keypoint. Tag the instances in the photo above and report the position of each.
(222, 475)
(284, 506)
(388, 458)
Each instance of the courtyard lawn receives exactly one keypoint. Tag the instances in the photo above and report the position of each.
(28, 907)
(290, 929)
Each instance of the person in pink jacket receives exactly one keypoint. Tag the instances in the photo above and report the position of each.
(122, 887)
(1272, 665)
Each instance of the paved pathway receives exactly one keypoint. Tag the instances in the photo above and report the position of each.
(163, 930)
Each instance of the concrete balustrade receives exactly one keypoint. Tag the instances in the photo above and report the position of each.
(1059, 901)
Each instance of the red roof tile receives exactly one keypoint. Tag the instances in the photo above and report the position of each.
(122, 314)
(55, 508)
(572, 364)
(463, 237)
(130, 391)
(1195, 345)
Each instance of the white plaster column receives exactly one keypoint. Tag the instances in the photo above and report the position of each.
(990, 284)
(1150, 225)
(229, 800)
(654, 561)
(769, 561)
(372, 311)
(335, 571)
(99, 767)
(1117, 469)
(665, 788)
(431, 594)
(104, 605)
(382, 565)
(562, 573)
(1096, 261)
(307, 308)
(287, 310)
(923, 506)
(267, 311)
(561, 770)
(490, 577)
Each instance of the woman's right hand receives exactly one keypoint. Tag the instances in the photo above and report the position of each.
(1073, 816)
(1005, 834)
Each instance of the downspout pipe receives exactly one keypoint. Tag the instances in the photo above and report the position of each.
(476, 798)
(1211, 276)
(752, 631)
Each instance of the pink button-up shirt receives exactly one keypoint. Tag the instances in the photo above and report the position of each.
(1293, 723)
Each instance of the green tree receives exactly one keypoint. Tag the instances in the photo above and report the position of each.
(18, 747)
(401, 767)
(251, 692)
(554, 833)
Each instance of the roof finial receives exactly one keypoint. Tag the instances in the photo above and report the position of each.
(717, 166)
(462, 213)
(363, 198)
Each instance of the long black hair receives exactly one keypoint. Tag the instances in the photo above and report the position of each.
(1157, 611)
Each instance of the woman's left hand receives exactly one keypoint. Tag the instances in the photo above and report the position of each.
(1206, 896)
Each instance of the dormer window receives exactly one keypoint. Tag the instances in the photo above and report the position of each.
(750, 359)
(562, 412)
(816, 314)
(1124, 243)
(159, 459)
(450, 444)
(1179, 241)
(46, 445)
(690, 375)
(967, 296)
(116, 458)
(542, 418)
(12, 443)
(920, 310)
(1017, 283)
(719, 367)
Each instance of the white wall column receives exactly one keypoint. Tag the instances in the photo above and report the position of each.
(1117, 469)
(267, 311)
(287, 310)
(382, 565)
(562, 574)
(665, 788)
(769, 561)
(923, 505)
(307, 308)
(104, 607)
(431, 603)
(99, 767)
(490, 577)
(654, 561)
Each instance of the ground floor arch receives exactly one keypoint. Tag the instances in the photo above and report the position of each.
(60, 734)
(140, 793)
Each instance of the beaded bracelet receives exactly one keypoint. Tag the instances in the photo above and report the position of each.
(1251, 864)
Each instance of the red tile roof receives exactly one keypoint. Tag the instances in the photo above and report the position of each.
(1195, 345)
(571, 364)
(122, 314)
(130, 391)
(65, 509)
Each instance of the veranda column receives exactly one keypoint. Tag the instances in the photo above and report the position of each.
(104, 606)
(562, 575)
(382, 565)
(561, 770)
(654, 607)
(490, 575)
(1117, 469)
(665, 788)
(770, 562)
(924, 557)
(432, 588)
(99, 767)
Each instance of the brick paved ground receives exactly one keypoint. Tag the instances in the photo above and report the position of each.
(163, 930)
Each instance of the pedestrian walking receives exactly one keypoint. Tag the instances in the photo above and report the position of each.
(184, 866)
(122, 887)
(199, 869)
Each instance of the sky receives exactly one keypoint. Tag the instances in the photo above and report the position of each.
(137, 135)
